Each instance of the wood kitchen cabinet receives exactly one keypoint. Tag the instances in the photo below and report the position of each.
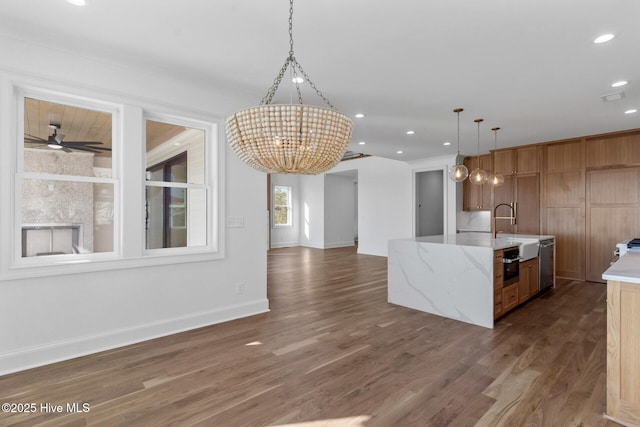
(623, 352)
(509, 297)
(524, 190)
(476, 197)
(517, 160)
(504, 161)
(528, 282)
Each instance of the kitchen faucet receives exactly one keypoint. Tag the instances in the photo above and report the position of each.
(512, 218)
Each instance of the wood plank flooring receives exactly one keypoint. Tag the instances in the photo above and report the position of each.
(333, 352)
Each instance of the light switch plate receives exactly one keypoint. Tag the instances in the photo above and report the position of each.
(235, 222)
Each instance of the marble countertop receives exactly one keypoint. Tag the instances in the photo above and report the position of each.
(484, 240)
(626, 269)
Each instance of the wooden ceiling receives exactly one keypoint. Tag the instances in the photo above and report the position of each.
(81, 124)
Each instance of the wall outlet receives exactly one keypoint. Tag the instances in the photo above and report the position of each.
(240, 288)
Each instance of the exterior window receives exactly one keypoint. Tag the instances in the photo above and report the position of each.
(282, 206)
(176, 194)
(65, 179)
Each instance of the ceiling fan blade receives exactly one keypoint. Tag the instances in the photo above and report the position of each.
(83, 143)
(58, 137)
(87, 149)
(34, 141)
(66, 150)
(32, 138)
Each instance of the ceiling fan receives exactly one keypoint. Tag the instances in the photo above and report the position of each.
(56, 141)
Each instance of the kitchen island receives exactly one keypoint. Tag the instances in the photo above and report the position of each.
(623, 339)
(454, 276)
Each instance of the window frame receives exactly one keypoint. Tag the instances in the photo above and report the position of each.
(289, 207)
(18, 261)
(212, 220)
(128, 120)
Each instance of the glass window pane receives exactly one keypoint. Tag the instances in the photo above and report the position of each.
(197, 217)
(165, 141)
(281, 205)
(68, 140)
(64, 217)
(176, 217)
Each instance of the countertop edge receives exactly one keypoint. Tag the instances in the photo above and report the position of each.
(626, 269)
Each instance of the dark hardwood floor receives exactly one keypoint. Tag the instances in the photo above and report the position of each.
(333, 352)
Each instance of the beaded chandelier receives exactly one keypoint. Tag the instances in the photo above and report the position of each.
(290, 138)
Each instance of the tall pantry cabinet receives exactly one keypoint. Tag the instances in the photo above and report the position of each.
(521, 170)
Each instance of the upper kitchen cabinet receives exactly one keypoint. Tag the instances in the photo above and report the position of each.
(517, 160)
(504, 161)
(477, 197)
(618, 150)
(524, 191)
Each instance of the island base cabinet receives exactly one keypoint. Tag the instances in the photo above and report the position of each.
(509, 297)
(623, 352)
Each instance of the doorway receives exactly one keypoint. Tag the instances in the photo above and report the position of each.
(429, 203)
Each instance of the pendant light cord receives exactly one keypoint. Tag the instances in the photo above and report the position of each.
(478, 146)
(458, 111)
(495, 145)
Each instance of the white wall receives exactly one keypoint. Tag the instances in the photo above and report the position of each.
(287, 236)
(59, 317)
(312, 211)
(384, 202)
(339, 210)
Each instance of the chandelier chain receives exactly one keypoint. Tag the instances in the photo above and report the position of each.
(295, 65)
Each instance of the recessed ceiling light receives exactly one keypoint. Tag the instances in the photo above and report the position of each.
(77, 2)
(604, 38)
(295, 79)
(361, 143)
(633, 110)
(446, 143)
(411, 132)
(399, 152)
(359, 116)
(620, 83)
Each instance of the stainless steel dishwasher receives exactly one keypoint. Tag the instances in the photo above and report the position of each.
(546, 264)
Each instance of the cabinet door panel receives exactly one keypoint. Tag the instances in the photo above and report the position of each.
(613, 215)
(504, 194)
(528, 199)
(568, 225)
(527, 160)
(504, 162)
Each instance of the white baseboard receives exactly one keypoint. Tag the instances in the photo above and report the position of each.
(284, 244)
(315, 245)
(339, 244)
(32, 357)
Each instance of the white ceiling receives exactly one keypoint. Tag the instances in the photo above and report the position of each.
(527, 66)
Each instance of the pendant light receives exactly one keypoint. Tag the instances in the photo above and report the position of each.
(459, 172)
(495, 179)
(290, 138)
(478, 176)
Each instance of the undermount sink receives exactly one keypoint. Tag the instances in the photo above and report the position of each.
(528, 247)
